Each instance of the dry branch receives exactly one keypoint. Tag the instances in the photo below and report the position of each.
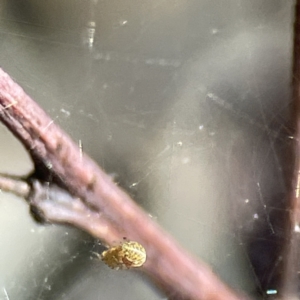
(290, 282)
(81, 194)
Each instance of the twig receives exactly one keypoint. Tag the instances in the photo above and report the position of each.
(14, 185)
(290, 284)
(111, 213)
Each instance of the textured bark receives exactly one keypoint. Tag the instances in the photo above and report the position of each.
(81, 194)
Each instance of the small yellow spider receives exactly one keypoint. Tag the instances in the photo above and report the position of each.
(127, 255)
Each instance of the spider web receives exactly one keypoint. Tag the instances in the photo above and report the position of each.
(185, 104)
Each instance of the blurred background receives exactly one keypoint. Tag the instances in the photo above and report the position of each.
(185, 104)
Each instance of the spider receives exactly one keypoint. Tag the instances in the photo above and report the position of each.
(128, 254)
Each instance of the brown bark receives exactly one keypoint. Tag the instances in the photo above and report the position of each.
(290, 284)
(88, 199)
